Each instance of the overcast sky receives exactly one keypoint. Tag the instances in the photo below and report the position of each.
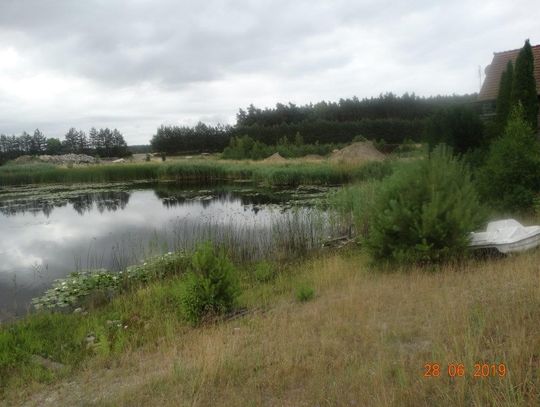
(138, 64)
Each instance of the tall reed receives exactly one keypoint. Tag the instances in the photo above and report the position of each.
(203, 171)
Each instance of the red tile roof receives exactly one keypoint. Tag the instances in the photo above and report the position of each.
(490, 87)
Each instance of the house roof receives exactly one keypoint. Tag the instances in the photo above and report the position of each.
(490, 87)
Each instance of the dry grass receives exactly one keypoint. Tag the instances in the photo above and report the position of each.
(362, 341)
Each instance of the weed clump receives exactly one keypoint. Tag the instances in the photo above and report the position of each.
(263, 272)
(305, 293)
(211, 285)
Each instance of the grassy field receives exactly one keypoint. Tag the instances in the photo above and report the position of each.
(363, 340)
(202, 170)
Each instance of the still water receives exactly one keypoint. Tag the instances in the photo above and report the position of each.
(46, 234)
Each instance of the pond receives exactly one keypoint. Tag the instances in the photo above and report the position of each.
(49, 232)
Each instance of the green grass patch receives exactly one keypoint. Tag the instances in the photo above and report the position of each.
(128, 321)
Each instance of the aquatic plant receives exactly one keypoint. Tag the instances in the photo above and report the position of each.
(78, 286)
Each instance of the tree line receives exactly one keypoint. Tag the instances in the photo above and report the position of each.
(388, 117)
(185, 139)
(243, 147)
(103, 142)
(390, 130)
(385, 106)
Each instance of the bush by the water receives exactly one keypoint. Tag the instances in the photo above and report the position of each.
(510, 177)
(212, 285)
(425, 211)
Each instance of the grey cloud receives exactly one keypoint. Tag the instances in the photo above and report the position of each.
(172, 43)
(146, 62)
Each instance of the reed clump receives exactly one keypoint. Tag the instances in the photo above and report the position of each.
(289, 174)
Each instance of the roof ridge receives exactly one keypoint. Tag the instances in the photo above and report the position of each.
(514, 50)
(497, 66)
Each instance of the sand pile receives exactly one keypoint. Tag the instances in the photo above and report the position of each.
(357, 153)
(275, 158)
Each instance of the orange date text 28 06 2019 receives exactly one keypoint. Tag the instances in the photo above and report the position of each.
(479, 370)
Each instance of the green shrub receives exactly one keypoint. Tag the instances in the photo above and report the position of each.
(407, 146)
(380, 145)
(536, 206)
(459, 127)
(304, 293)
(510, 177)
(361, 139)
(373, 170)
(263, 272)
(245, 147)
(425, 211)
(211, 286)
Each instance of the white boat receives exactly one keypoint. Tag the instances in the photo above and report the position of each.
(506, 236)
